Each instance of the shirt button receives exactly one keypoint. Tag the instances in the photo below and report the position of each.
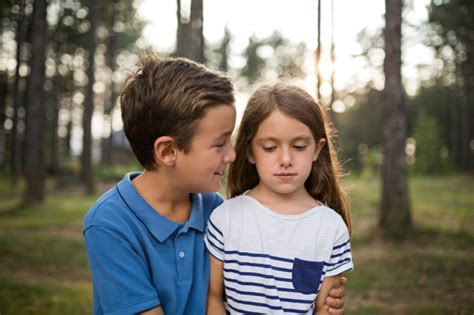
(181, 254)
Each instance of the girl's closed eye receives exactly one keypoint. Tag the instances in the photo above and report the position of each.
(300, 147)
(269, 148)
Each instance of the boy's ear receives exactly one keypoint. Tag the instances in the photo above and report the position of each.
(319, 146)
(165, 151)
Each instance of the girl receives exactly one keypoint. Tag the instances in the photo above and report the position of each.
(280, 244)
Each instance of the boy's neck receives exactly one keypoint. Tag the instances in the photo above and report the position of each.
(165, 199)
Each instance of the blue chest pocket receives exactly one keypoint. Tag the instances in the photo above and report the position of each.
(306, 275)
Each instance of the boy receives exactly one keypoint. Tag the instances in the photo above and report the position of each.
(144, 237)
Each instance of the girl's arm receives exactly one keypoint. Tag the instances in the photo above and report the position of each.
(328, 284)
(154, 311)
(215, 294)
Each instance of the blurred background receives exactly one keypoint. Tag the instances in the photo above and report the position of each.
(405, 130)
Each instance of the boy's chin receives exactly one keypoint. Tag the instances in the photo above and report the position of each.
(214, 188)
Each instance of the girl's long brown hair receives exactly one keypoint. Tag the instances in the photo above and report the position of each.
(323, 183)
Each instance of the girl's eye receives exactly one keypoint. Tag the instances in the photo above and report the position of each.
(300, 147)
(220, 145)
(268, 149)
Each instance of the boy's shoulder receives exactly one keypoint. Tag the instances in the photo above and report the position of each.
(211, 200)
(209, 203)
(105, 206)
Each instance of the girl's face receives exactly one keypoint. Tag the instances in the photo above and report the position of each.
(283, 151)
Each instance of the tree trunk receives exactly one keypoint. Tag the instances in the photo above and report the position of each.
(34, 168)
(224, 51)
(183, 33)
(395, 207)
(4, 142)
(109, 108)
(189, 36)
(318, 56)
(56, 98)
(464, 130)
(86, 158)
(15, 160)
(197, 26)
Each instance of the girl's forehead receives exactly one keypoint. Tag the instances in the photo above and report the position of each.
(278, 122)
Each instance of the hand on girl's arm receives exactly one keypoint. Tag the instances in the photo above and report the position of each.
(335, 299)
(215, 294)
(154, 311)
(330, 297)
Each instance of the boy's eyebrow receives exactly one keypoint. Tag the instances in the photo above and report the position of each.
(224, 134)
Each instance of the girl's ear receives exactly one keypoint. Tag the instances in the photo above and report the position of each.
(165, 151)
(319, 146)
(250, 157)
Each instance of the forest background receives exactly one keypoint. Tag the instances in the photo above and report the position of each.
(62, 65)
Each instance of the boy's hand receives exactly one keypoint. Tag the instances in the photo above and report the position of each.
(335, 299)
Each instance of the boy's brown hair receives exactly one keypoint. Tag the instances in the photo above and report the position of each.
(167, 97)
(323, 183)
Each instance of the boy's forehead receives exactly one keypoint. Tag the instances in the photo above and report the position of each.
(217, 121)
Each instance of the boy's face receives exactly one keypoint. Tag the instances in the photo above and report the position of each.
(202, 168)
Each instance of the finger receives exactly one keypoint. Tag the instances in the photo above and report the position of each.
(336, 311)
(343, 280)
(337, 292)
(334, 302)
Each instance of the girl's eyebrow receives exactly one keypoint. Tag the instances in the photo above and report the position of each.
(274, 139)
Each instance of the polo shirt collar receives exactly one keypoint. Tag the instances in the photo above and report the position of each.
(196, 219)
(158, 225)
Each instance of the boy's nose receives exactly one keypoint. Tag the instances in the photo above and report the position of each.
(230, 154)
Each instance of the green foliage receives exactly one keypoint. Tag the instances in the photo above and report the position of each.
(429, 146)
(272, 58)
(371, 162)
(359, 128)
(452, 28)
(114, 172)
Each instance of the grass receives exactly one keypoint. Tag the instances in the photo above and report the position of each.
(429, 270)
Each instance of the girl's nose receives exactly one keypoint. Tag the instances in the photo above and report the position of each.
(285, 158)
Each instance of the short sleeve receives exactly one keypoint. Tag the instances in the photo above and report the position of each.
(341, 256)
(214, 238)
(121, 279)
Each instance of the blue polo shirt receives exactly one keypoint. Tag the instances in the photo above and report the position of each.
(140, 259)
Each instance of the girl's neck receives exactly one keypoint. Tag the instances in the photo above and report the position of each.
(290, 204)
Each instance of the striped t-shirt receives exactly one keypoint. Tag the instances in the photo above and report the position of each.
(275, 263)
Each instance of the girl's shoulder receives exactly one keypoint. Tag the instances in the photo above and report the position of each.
(231, 205)
(331, 215)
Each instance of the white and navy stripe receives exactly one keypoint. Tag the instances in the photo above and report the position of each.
(261, 280)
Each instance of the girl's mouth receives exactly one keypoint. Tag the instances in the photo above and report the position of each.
(285, 176)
